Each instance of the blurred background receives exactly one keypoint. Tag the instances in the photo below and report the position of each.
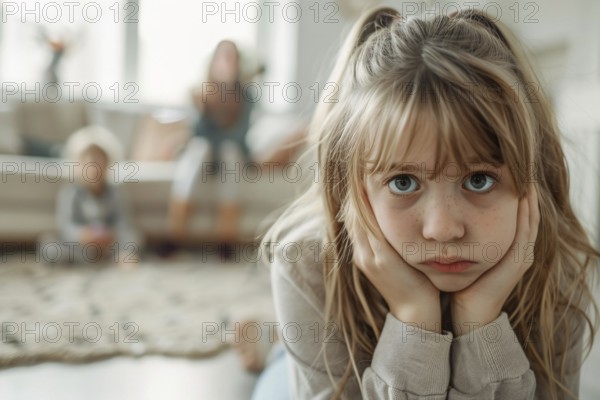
(135, 69)
(131, 67)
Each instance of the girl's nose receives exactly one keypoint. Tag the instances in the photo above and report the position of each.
(443, 220)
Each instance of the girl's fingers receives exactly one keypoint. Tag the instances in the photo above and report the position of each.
(371, 252)
(534, 214)
(361, 247)
(533, 221)
(523, 223)
(509, 270)
(529, 217)
(381, 249)
(527, 229)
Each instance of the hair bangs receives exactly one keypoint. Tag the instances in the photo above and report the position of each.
(394, 116)
(462, 134)
(465, 135)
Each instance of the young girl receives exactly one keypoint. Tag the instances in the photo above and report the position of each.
(438, 254)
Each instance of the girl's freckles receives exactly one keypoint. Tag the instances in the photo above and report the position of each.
(416, 217)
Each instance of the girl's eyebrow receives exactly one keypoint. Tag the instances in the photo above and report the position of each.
(417, 167)
(405, 166)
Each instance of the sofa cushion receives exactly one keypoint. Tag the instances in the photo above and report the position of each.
(10, 142)
(30, 187)
(44, 127)
(161, 136)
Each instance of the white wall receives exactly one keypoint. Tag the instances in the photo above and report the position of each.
(564, 38)
(318, 44)
(303, 52)
(577, 95)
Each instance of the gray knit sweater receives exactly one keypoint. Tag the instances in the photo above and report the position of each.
(408, 363)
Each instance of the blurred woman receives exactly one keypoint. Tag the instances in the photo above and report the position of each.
(219, 139)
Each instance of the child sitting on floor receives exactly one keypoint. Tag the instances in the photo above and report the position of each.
(91, 215)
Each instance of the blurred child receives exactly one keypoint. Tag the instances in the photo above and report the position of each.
(91, 214)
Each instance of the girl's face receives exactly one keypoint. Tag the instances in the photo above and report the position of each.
(93, 164)
(460, 214)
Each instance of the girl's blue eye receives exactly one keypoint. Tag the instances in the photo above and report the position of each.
(403, 184)
(480, 182)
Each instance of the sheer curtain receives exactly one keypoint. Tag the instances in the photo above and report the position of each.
(176, 41)
(172, 44)
(94, 54)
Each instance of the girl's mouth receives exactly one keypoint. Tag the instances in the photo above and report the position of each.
(458, 266)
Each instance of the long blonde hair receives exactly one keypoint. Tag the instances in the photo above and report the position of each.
(468, 73)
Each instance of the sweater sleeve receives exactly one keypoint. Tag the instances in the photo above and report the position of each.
(408, 363)
(489, 363)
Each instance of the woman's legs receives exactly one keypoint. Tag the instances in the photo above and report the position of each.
(188, 167)
(229, 191)
(228, 188)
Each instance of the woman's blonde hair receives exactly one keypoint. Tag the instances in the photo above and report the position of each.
(468, 75)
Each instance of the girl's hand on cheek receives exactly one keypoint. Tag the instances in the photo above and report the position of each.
(410, 295)
(482, 301)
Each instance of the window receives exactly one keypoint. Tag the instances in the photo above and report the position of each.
(93, 56)
(176, 41)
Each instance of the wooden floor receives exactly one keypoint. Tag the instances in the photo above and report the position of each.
(160, 378)
(221, 377)
(148, 378)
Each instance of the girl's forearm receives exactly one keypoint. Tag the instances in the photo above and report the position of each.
(425, 316)
(465, 321)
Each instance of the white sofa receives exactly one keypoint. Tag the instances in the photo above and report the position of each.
(30, 184)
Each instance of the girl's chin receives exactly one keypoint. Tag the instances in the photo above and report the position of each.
(451, 283)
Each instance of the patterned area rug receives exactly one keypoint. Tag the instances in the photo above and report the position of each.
(78, 314)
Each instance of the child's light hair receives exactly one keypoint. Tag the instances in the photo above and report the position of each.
(467, 75)
(92, 135)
